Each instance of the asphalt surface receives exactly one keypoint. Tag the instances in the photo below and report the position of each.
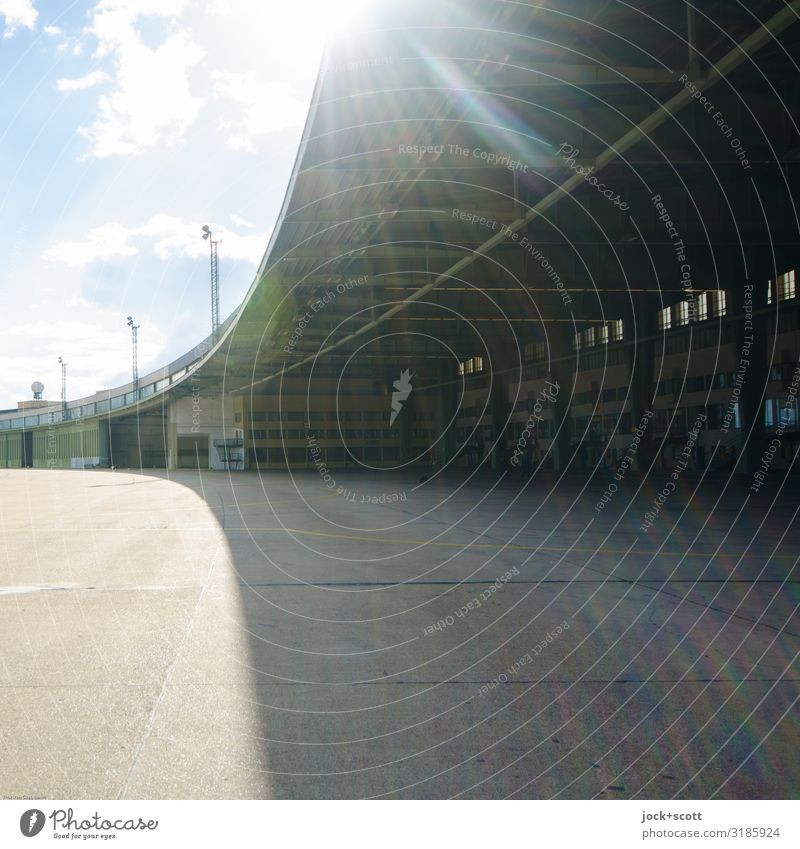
(175, 635)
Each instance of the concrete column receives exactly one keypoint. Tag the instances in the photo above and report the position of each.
(749, 340)
(641, 371)
(172, 443)
(446, 408)
(104, 441)
(501, 408)
(562, 373)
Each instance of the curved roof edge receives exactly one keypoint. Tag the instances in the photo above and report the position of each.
(161, 381)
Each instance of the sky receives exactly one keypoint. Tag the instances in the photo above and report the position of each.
(126, 125)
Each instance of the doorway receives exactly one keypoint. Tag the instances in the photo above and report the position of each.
(27, 449)
(193, 451)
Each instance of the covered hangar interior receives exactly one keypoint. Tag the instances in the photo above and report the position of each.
(555, 227)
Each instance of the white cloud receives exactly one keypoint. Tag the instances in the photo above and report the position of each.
(152, 103)
(102, 243)
(88, 81)
(92, 339)
(167, 237)
(264, 107)
(241, 222)
(51, 30)
(17, 13)
(113, 20)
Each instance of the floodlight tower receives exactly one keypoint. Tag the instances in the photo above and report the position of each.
(63, 388)
(134, 326)
(209, 236)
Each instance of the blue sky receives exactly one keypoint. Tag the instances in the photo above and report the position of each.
(125, 125)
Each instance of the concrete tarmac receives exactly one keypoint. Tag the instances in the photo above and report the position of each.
(215, 635)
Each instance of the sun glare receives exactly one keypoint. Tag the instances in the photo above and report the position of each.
(339, 17)
(301, 30)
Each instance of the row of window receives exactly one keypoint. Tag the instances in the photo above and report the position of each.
(679, 421)
(713, 303)
(602, 359)
(526, 405)
(695, 383)
(782, 372)
(257, 434)
(473, 365)
(597, 428)
(611, 331)
(785, 287)
(279, 456)
(545, 429)
(462, 434)
(682, 343)
(331, 416)
(670, 386)
(278, 415)
(600, 428)
(534, 372)
(672, 422)
(474, 412)
(534, 351)
(778, 412)
(710, 304)
(787, 321)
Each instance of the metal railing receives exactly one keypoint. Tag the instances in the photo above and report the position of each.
(109, 400)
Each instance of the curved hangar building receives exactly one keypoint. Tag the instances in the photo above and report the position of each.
(507, 225)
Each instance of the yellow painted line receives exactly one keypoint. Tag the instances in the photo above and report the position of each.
(555, 549)
(131, 529)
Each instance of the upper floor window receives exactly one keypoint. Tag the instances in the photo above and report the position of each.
(473, 365)
(701, 307)
(534, 351)
(714, 303)
(719, 302)
(786, 286)
(665, 318)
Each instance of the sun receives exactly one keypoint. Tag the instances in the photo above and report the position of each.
(302, 29)
(338, 16)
